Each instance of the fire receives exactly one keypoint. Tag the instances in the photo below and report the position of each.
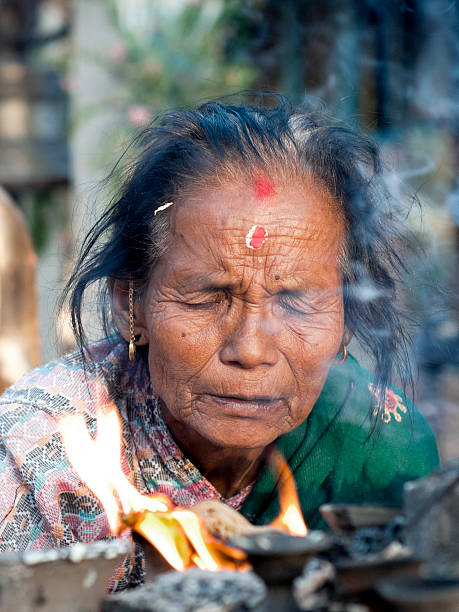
(178, 534)
(290, 517)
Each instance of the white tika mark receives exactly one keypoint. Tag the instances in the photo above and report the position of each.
(255, 241)
(163, 207)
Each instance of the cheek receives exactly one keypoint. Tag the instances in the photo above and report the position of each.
(319, 337)
(311, 349)
(179, 346)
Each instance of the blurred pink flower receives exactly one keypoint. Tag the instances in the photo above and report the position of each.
(118, 51)
(138, 115)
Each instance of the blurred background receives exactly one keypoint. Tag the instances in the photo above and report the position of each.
(79, 78)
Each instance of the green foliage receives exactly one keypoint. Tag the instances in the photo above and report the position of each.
(166, 55)
(178, 58)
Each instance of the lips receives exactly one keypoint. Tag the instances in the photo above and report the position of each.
(242, 398)
(246, 405)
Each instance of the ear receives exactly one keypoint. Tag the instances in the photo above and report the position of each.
(119, 301)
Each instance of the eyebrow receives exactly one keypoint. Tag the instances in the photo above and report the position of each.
(206, 283)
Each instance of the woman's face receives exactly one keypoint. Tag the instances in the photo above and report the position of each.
(244, 314)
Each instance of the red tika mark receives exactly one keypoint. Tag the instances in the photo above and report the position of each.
(255, 237)
(264, 187)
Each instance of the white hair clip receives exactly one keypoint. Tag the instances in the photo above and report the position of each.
(163, 207)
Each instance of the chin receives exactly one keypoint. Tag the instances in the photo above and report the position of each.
(240, 436)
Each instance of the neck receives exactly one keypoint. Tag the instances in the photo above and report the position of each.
(229, 470)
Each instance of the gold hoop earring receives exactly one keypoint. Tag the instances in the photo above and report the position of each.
(343, 356)
(131, 322)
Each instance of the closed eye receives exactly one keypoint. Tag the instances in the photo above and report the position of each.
(295, 303)
(206, 301)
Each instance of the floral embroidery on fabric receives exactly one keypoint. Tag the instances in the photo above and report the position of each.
(392, 404)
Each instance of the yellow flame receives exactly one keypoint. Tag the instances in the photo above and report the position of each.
(290, 517)
(293, 521)
(162, 532)
(98, 463)
(178, 534)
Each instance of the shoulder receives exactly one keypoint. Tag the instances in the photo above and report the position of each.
(384, 427)
(371, 416)
(355, 452)
(65, 385)
(401, 446)
(31, 452)
(33, 459)
(30, 407)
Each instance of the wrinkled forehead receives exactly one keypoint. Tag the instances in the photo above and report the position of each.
(259, 220)
(299, 208)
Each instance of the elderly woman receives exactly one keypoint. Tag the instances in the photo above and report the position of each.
(246, 248)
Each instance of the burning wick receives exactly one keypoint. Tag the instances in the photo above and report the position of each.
(163, 207)
(255, 237)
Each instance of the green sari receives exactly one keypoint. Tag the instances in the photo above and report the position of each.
(337, 455)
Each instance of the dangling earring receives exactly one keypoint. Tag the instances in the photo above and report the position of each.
(343, 355)
(131, 322)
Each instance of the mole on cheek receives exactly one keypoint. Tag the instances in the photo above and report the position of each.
(264, 187)
(255, 237)
(277, 276)
(183, 335)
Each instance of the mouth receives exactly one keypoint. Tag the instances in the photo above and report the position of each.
(247, 405)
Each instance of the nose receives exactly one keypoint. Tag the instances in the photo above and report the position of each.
(250, 342)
